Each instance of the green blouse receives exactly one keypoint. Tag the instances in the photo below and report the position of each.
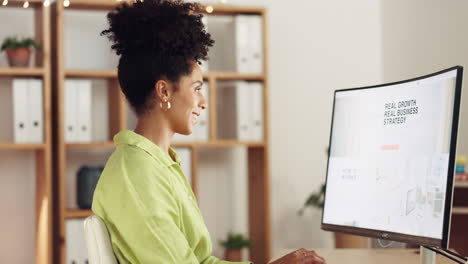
(148, 206)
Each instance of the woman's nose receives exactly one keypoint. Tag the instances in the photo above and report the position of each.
(203, 103)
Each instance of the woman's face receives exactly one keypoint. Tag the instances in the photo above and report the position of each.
(187, 102)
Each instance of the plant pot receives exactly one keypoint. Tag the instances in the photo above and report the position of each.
(18, 57)
(233, 254)
(343, 240)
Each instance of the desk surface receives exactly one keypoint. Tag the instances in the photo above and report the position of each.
(370, 256)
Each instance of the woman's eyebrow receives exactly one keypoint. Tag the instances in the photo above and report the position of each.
(199, 82)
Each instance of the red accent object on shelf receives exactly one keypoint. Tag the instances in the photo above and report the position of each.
(461, 177)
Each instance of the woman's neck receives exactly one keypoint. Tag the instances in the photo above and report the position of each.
(156, 129)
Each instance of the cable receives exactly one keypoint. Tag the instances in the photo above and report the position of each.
(454, 254)
(444, 254)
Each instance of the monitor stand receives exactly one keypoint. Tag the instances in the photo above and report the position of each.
(427, 256)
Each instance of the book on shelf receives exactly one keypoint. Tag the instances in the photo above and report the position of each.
(28, 113)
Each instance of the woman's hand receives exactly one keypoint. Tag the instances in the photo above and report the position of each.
(300, 256)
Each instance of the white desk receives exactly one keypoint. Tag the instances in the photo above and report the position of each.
(370, 256)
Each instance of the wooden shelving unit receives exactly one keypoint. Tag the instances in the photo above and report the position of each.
(76, 213)
(13, 146)
(43, 151)
(257, 152)
(22, 72)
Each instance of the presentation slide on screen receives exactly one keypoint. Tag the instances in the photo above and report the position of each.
(389, 157)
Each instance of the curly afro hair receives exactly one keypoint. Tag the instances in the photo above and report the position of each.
(156, 39)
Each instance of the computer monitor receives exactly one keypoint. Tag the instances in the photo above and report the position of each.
(391, 159)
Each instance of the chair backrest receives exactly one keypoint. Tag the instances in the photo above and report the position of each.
(98, 241)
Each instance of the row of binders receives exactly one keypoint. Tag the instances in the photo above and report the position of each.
(239, 43)
(78, 110)
(28, 113)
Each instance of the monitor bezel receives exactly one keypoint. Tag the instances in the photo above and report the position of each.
(420, 240)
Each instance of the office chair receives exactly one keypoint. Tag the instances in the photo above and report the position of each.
(98, 241)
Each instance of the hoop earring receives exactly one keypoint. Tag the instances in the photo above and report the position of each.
(168, 106)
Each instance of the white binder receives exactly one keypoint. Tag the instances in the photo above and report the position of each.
(242, 106)
(185, 155)
(70, 108)
(84, 110)
(255, 44)
(36, 122)
(241, 31)
(256, 111)
(226, 125)
(21, 110)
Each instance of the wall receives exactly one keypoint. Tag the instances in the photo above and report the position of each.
(423, 37)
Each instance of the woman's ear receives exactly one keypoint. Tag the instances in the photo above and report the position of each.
(163, 90)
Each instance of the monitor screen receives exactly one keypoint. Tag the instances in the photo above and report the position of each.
(391, 159)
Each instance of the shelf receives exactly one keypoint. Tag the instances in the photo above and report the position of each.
(461, 184)
(460, 210)
(17, 146)
(77, 213)
(93, 5)
(90, 73)
(19, 3)
(222, 76)
(234, 76)
(94, 145)
(21, 71)
(233, 10)
(220, 143)
(109, 4)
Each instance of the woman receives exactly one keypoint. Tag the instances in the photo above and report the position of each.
(143, 196)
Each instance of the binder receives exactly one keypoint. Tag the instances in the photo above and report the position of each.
(70, 108)
(84, 110)
(256, 111)
(255, 44)
(21, 107)
(243, 109)
(226, 124)
(241, 31)
(223, 53)
(185, 155)
(36, 122)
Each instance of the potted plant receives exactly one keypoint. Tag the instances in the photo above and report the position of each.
(342, 240)
(18, 51)
(233, 246)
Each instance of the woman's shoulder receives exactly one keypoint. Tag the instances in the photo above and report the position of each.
(134, 156)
